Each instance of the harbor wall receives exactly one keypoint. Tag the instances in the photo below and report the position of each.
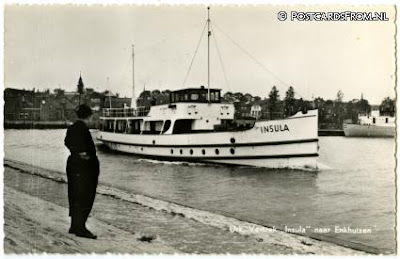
(330, 132)
(26, 124)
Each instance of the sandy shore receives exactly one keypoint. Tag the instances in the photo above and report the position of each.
(36, 220)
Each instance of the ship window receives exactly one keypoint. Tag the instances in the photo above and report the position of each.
(217, 151)
(203, 152)
(153, 127)
(191, 151)
(186, 97)
(373, 120)
(194, 97)
(232, 151)
(182, 126)
(121, 126)
(181, 151)
(133, 127)
(172, 151)
(387, 120)
(217, 96)
(110, 125)
(212, 96)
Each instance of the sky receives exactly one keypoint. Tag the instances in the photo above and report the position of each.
(251, 50)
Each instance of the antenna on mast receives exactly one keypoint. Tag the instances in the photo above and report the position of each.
(208, 52)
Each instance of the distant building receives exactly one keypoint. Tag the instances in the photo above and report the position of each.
(44, 106)
(116, 102)
(255, 111)
(242, 110)
(15, 103)
(28, 105)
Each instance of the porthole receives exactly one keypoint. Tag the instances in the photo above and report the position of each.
(233, 140)
(141, 149)
(172, 151)
(232, 151)
(217, 151)
(181, 151)
(191, 151)
(207, 121)
(203, 151)
(154, 142)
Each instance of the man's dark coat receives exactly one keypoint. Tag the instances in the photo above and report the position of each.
(82, 172)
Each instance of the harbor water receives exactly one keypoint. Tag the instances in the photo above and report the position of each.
(350, 199)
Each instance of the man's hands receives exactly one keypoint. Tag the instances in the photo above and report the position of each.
(84, 156)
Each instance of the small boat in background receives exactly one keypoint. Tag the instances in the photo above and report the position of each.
(373, 125)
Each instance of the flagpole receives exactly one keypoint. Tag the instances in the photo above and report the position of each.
(208, 52)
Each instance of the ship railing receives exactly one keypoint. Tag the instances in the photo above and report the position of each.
(126, 112)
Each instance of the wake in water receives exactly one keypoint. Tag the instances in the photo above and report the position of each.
(320, 167)
(152, 161)
(323, 167)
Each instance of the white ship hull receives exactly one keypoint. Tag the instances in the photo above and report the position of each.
(357, 130)
(287, 143)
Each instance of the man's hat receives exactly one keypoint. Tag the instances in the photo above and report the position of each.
(83, 111)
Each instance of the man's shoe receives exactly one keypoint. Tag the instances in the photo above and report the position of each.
(85, 233)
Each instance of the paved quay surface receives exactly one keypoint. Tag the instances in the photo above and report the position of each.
(36, 221)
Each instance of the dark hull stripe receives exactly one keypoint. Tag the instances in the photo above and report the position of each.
(257, 157)
(208, 158)
(218, 145)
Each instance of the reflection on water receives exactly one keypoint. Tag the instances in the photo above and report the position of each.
(357, 191)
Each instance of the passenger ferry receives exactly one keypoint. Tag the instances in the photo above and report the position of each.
(372, 125)
(196, 126)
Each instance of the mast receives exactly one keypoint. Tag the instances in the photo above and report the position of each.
(208, 53)
(109, 91)
(133, 101)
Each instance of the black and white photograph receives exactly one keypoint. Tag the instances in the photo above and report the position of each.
(199, 129)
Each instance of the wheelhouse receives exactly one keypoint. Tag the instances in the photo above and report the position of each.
(196, 95)
(190, 110)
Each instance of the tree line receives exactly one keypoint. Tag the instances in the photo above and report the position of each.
(332, 112)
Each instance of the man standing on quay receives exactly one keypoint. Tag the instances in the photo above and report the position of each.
(82, 172)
